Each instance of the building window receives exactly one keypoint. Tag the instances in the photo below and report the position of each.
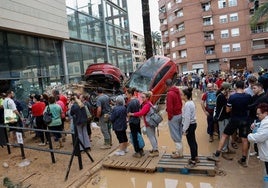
(174, 56)
(260, 28)
(170, 18)
(234, 17)
(225, 48)
(210, 50)
(181, 40)
(224, 33)
(232, 3)
(181, 27)
(183, 53)
(236, 47)
(223, 19)
(235, 32)
(179, 13)
(173, 44)
(221, 4)
(206, 6)
(169, 6)
(162, 9)
(207, 20)
(209, 35)
(165, 33)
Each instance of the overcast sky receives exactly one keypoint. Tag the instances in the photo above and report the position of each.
(135, 15)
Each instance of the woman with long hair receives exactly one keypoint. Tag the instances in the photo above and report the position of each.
(189, 125)
(146, 105)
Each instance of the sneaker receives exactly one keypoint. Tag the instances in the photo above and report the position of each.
(211, 139)
(253, 154)
(105, 146)
(176, 156)
(142, 153)
(119, 153)
(137, 155)
(196, 160)
(154, 153)
(191, 164)
(42, 144)
(213, 158)
(242, 163)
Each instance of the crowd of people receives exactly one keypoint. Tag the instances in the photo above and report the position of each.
(234, 106)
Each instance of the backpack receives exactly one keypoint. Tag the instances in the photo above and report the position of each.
(152, 117)
(211, 100)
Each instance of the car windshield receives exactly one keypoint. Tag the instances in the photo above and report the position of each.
(142, 78)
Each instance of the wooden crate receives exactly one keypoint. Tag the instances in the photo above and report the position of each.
(128, 162)
(167, 164)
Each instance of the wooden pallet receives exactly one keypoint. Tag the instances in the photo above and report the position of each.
(128, 162)
(167, 164)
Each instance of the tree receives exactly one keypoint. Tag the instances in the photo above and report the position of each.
(156, 39)
(260, 13)
(147, 28)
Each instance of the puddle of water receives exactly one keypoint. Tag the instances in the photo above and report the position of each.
(118, 179)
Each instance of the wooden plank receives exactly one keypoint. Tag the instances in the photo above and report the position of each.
(128, 162)
(168, 164)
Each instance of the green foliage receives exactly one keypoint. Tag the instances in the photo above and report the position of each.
(259, 14)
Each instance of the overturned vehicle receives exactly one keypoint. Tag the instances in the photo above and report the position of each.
(152, 75)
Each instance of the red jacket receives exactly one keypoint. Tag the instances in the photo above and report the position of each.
(143, 111)
(174, 102)
(38, 108)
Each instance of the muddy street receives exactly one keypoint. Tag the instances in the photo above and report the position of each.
(40, 172)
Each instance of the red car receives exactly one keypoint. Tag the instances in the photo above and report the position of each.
(104, 75)
(152, 75)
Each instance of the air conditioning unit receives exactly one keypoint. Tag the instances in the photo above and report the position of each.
(225, 60)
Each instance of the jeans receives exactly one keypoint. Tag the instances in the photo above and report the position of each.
(175, 128)
(135, 129)
(210, 123)
(104, 129)
(222, 125)
(192, 141)
(152, 138)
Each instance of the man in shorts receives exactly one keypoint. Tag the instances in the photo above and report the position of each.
(238, 105)
(10, 104)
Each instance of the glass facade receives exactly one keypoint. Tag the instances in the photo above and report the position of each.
(98, 31)
(29, 63)
(103, 29)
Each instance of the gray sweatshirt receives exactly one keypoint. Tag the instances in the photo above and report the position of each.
(188, 115)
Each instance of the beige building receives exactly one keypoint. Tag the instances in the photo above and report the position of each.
(138, 49)
(212, 35)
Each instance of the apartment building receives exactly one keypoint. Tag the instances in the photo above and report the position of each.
(43, 43)
(212, 35)
(138, 49)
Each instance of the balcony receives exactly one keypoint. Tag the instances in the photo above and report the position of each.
(210, 54)
(162, 15)
(259, 33)
(209, 40)
(165, 38)
(166, 51)
(163, 27)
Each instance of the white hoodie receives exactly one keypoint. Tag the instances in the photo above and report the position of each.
(261, 138)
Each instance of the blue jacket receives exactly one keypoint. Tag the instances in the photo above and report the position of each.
(119, 118)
